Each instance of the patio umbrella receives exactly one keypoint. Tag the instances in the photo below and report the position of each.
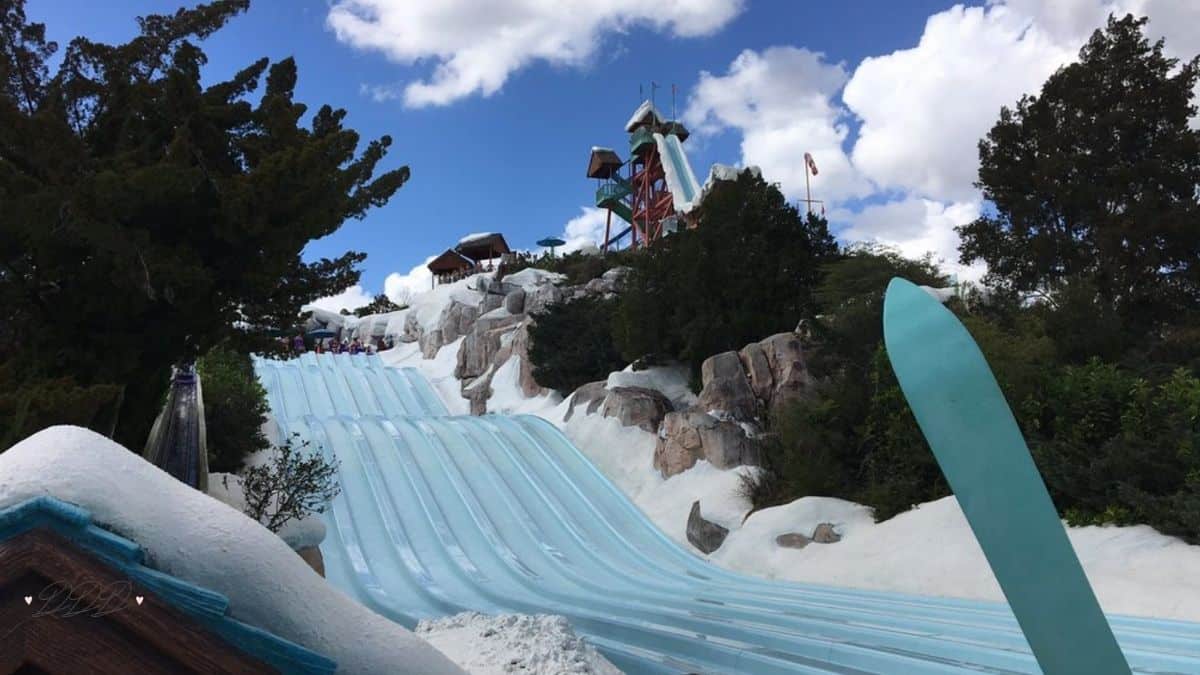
(551, 242)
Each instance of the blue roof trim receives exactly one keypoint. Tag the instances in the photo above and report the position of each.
(208, 607)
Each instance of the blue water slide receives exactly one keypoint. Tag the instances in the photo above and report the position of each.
(441, 514)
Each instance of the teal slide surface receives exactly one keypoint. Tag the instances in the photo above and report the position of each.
(441, 514)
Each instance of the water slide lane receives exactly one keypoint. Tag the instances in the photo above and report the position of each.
(440, 514)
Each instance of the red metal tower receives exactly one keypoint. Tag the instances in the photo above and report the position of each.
(641, 196)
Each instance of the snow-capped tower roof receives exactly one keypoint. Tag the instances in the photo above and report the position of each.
(645, 114)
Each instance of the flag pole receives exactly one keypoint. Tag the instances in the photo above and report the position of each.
(807, 189)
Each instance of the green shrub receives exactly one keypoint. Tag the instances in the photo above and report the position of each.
(30, 403)
(571, 343)
(235, 407)
(1114, 447)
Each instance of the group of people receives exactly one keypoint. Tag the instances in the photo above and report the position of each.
(355, 346)
(343, 347)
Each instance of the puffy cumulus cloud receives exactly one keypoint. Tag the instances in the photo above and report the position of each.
(782, 102)
(475, 46)
(915, 227)
(586, 230)
(923, 110)
(352, 298)
(400, 288)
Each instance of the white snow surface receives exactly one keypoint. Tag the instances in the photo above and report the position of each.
(642, 110)
(671, 381)
(539, 644)
(507, 397)
(194, 537)
(475, 235)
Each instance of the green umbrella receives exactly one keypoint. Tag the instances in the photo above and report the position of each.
(551, 242)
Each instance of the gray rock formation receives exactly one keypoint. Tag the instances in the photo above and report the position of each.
(542, 297)
(726, 387)
(790, 378)
(589, 397)
(312, 556)
(689, 436)
(636, 406)
(825, 534)
(792, 540)
(514, 302)
(704, 535)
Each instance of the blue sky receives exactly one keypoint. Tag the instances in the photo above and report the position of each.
(889, 96)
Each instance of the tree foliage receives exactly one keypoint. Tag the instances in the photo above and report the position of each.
(381, 304)
(148, 218)
(571, 343)
(1095, 180)
(235, 407)
(747, 271)
(295, 483)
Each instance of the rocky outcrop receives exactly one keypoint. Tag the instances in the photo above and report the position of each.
(825, 534)
(454, 322)
(726, 387)
(636, 406)
(790, 378)
(312, 556)
(588, 398)
(792, 540)
(704, 535)
(689, 436)
(514, 302)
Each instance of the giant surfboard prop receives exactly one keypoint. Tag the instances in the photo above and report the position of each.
(969, 426)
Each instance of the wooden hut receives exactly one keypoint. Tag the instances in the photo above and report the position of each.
(450, 266)
(480, 247)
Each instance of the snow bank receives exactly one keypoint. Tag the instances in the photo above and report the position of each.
(507, 397)
(514, 643)
(201, 540)
(670, 381)
(475, 235)
(642, 110)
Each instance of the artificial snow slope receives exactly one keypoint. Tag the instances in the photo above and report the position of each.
(441, 514)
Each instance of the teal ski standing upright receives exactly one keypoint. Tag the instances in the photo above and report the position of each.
(971, 429)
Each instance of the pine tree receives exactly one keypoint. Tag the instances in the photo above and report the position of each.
(1095, 181)
(148, 218)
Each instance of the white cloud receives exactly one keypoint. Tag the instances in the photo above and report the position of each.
(352, 298)
(587, 229)
(915, 227)
(782, 103)
(400, 288)
(924, 109)
(475, 46)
